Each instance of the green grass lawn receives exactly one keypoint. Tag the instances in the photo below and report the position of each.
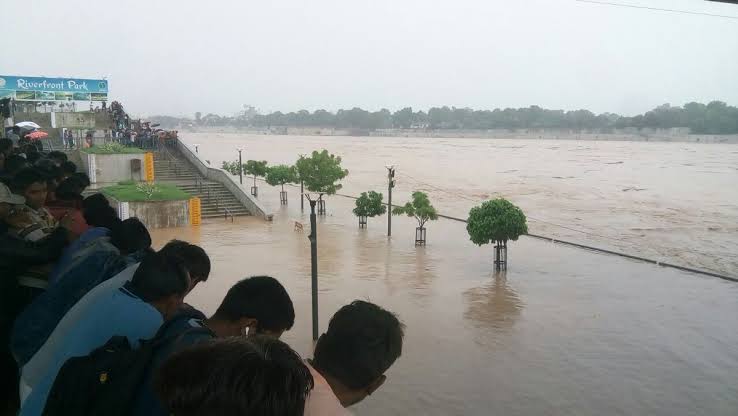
(112, 149)
(142, 191)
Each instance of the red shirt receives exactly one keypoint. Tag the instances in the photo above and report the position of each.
(59, 208)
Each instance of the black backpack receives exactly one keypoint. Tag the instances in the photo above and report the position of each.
(106, 381)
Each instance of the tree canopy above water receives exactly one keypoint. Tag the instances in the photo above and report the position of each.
(420, 208)
(321, 172)
(369, 205)
(494, 221)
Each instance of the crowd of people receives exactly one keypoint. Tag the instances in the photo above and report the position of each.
(94, 320)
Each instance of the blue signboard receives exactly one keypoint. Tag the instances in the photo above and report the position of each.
(53, 89)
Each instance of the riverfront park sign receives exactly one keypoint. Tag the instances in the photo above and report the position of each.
(53, 89)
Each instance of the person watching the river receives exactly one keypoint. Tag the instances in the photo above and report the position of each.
(100, 260)
(16, 256)
(31, 184)
(195, 260)
(135, 311)
(361, 344)
(235, 376)
(255, 306)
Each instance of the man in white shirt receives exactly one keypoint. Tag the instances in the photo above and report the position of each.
(362, 342)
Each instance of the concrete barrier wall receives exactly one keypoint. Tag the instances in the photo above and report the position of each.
(218, 175)
(155, 214)
(111, 168)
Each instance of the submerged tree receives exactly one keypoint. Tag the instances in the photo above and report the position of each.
(496, 221)
(281, 175)
(321, 173)
(369, 205)
(256, 168)
(231, 167)
(422, 210)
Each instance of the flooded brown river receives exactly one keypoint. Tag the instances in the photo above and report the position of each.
(564, 331)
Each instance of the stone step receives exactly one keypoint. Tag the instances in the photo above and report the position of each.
(213, 208)
(221, 204)
(172, 170)
(222, 216)
(216, 210)
(175, 177)
(230, 204)
(173, 173)
(213, 193)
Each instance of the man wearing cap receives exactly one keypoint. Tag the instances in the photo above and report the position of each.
(17, 255)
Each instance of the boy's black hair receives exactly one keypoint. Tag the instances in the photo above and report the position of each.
(235, 376)
(160, 276)
(262, 298)
(130, 236)
(25, 178)
(196, 260)
(362, 342)
(69, 168)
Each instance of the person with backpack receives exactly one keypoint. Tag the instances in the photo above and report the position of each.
(350, 359)
(38, 348)
(101, 218)
(16, 256)
(257, 305)
(129, 243)
(135, 311)
(236, 376)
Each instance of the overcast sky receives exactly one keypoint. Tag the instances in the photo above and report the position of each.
(178, 57)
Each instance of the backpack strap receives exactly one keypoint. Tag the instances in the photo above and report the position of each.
(161, 340)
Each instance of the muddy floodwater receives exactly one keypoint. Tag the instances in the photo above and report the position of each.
(564, 331)
(672, 202)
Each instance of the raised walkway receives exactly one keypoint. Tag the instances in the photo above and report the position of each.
(219, 193)
(216, 200)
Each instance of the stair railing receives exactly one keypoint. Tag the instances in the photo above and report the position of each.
(227, 213)
(173, 161)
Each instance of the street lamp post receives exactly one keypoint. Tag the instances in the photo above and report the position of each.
(240, 166)
(313, 237)
(390, 185)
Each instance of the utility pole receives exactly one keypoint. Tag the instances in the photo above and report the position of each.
(391, 184)
(313, 237)
(240, 166)
(302, 189)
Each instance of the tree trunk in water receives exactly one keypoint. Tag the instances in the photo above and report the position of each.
(501, 255)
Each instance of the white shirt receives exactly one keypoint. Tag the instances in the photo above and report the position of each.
(322, 401)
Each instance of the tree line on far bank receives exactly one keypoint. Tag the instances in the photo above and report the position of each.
(714, 118)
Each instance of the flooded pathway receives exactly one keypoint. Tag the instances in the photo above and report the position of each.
(564, 331)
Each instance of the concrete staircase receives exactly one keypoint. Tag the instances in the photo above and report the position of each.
(216, 200)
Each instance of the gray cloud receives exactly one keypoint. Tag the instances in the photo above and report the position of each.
(178, 57)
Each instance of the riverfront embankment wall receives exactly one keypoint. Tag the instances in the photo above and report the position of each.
(630, 134)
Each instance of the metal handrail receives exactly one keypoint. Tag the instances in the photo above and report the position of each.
(213, 198)
(227, 212)
(199, 184)
(173, 161)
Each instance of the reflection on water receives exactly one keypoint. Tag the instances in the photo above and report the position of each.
(494, 306)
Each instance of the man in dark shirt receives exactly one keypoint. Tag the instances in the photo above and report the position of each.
(257, 305)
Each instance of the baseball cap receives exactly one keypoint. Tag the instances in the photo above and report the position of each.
(10, 198)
